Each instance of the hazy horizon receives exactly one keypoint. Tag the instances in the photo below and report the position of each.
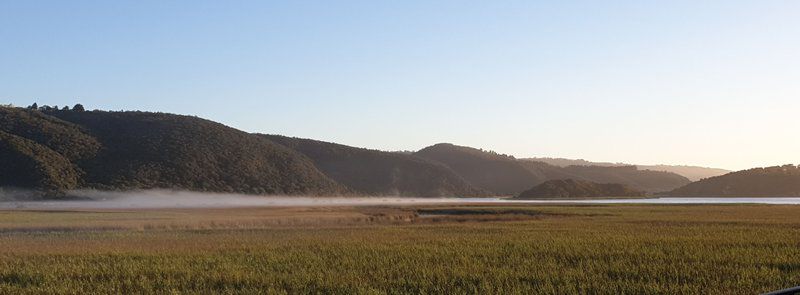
(709, 84)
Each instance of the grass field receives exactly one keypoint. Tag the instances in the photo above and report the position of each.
(483, 249)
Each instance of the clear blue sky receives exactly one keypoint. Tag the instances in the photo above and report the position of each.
(713, 83)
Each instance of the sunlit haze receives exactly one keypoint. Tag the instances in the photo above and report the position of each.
(711, 83)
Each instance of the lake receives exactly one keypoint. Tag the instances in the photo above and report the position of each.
(780, 201)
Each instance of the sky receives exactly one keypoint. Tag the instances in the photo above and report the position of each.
(711, 83)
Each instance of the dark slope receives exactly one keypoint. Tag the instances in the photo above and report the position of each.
(66, 138)
(375, 172)
(504, 175)
(646, 180)
(26, 164)
(548, 171)
(570, 188)
(496, 173)
(61, 150)
(127, 150)
(693, 173)
(778, 181)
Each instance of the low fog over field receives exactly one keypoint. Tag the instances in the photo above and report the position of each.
(149, 199)
(154, 199)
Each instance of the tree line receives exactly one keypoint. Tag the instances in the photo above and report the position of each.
(77, 107)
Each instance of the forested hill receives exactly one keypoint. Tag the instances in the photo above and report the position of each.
(506, 175)
(693, 173)
(646, 180)
(499, 174)
(373, 172)
(58, 150)
(778, 181)
(570, 188)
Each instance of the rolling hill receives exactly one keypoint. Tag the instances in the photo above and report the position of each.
(60, 150)
(505, 175)
(646, 180)
(777, 181)
(493, 172)
(25, 163)
(373, 172)
(693, 173)
(570, 188)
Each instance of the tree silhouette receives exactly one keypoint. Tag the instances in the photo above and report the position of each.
(78, 108)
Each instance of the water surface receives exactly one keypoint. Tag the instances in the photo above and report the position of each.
(777, 201)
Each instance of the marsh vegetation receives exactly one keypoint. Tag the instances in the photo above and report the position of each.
(439, 249)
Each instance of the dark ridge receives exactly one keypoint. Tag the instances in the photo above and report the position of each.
(374, 172)
(646, 180)
(505, 175)
(570, 188)
(25, 163)
(548, 171)
(499, 174)
(140, 150)
(57, 150)
(777, 181)
(66, 138)
(693, 173)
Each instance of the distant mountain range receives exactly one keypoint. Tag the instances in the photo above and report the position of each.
(571, 189)
(54, 151)
(693, 173)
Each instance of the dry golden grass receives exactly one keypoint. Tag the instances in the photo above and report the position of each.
(603, 249)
